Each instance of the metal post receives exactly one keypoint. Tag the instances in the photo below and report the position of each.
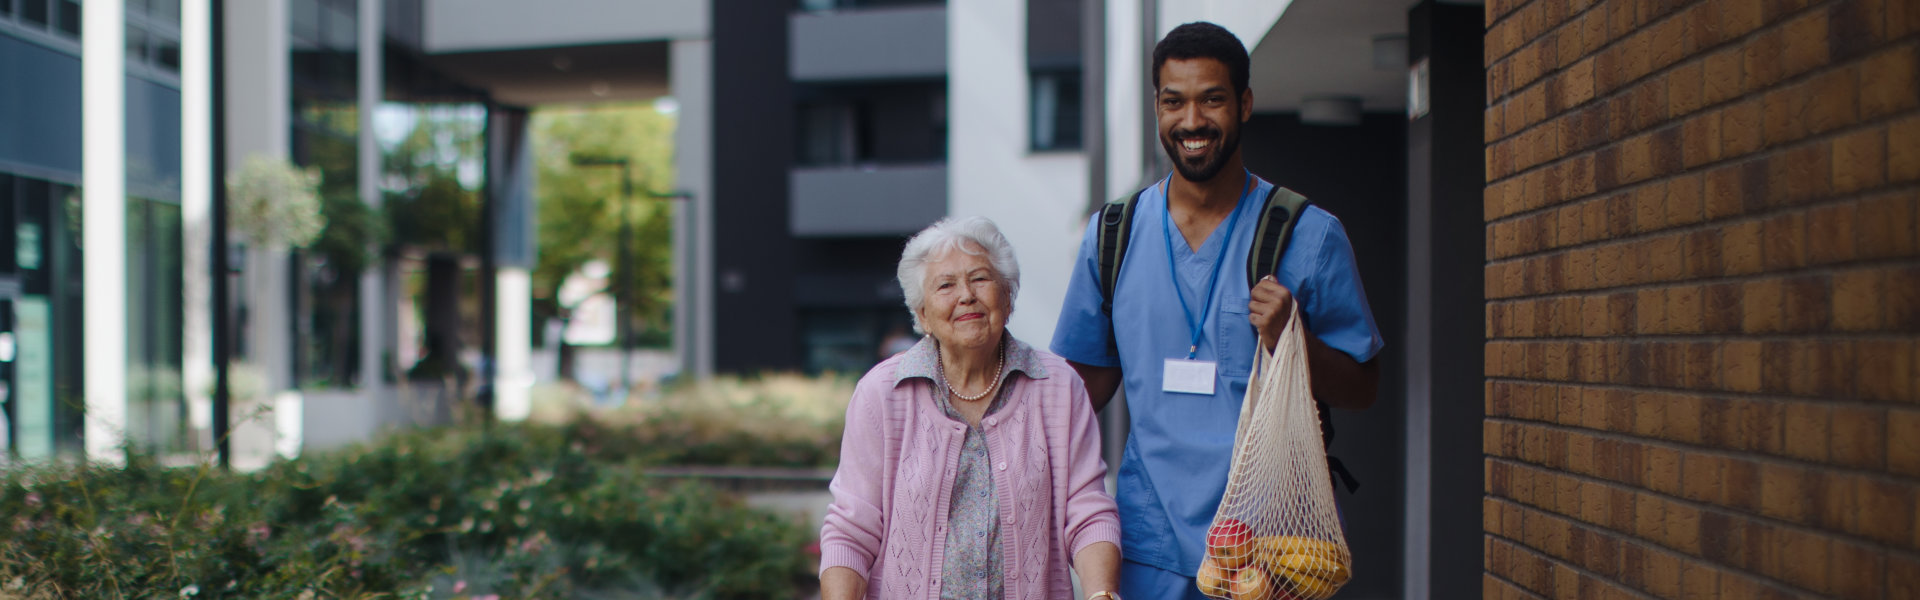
(222, 270)
(623, 308)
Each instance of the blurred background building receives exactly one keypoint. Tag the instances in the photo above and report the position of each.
(1563, 176)
(812, 137)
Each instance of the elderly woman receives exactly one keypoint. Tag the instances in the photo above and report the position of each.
(971, 462)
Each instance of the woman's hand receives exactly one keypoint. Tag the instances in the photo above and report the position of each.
(1099, 567)
(841, 583)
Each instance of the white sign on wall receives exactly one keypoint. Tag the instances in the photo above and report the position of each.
(1417, 98)
(33, 376)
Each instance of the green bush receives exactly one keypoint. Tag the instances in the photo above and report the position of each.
(521, 511)
(769, 420)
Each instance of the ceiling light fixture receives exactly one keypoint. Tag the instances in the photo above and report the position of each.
(1390, 52)
(1330, 110)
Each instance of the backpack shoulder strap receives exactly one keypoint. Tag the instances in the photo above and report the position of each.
(1116, 225)
(1277, 219)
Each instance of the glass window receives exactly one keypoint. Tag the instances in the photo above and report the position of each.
(34, 12)
(165, 11)
(304, 16)
(136, 44)
(826, 135)
(155, 398)
(1056, 110)
(6, 8)
(338, 29)
(70, 18)
(166, 52)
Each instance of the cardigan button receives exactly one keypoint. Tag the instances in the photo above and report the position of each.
(1003, 466)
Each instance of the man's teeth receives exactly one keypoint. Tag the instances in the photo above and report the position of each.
(1194, 144)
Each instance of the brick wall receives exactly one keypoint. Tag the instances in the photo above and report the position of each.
(1703, 293)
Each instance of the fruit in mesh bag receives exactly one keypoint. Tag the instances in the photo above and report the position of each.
(1214, 580)
(1305, 585)
(1272, 547)
(1230, 543)
(1308, 568)
(1323, 568)
(1255, 583)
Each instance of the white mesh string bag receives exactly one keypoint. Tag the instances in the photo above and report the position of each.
(1276, 535)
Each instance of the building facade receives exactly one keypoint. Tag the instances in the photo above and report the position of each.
(42, 288)
(1702, 299)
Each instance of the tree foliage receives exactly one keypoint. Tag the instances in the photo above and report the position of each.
(430, 204)
(580, 207)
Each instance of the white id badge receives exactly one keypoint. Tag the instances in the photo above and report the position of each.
(1187, 376)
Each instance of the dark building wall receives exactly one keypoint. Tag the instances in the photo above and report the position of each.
(1358, 173)
(1445, 182)
(754, 321)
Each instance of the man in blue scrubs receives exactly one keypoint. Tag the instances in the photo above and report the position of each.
(1187, 321)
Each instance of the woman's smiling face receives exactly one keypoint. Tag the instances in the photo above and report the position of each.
(966, 302)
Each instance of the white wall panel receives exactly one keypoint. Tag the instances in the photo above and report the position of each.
(1038, 200)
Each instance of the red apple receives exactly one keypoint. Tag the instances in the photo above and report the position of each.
(1230, 542)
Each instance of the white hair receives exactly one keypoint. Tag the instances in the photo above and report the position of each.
(971, 235)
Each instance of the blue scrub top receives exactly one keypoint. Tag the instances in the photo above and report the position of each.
(1174, 469)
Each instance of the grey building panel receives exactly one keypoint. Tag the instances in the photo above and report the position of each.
(153, 140)
(855, 201)
(39, 106)
(869, 44)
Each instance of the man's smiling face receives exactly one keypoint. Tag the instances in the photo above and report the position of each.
(1199, 115)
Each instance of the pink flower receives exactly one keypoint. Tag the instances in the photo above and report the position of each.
(258, 532)
(459, 586)
(33, 500)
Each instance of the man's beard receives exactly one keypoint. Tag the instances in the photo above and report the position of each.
(1201, 168)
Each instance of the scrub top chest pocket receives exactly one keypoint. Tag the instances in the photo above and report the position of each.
(1233, 335)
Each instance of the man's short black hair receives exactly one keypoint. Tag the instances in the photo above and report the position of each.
(1201, 39)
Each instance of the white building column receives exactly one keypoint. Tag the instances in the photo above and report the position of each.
(373, 324)
(513, 343)
(258, 105)
(510, 181)
(1039, 200)
(259, 112)
(196, 212)
(691, 79)
(103, 110)
(1126, 97)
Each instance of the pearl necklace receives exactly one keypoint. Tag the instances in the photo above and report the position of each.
(996, 379)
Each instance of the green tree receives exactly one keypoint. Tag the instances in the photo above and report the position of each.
(347, 246)
(580, 208)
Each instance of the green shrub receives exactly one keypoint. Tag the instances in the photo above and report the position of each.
(771, 420)
(521, 511)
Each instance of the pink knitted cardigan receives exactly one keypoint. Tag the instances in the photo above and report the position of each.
(897, 461)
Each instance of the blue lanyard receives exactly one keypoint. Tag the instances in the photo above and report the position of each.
(1166, 223)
